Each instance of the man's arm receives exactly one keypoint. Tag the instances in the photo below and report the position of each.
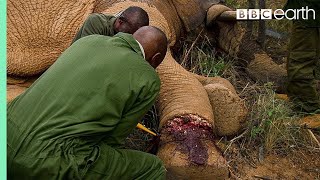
(134, 114)
(95, 24)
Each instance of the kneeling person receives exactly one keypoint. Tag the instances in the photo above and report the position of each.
(73, 121)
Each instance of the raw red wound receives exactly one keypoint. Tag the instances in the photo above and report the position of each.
(189, 131)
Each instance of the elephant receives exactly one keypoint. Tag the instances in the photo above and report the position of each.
(193, 109)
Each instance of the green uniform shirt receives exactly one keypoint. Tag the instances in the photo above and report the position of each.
(96, 92)
(312, 4)
(96, 23)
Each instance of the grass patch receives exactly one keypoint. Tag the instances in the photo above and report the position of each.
(271, 124)
(202, 58)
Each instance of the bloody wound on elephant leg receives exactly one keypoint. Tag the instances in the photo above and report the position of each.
(189, 131)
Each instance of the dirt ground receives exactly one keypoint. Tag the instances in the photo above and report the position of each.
(299, 163)
(295, 165)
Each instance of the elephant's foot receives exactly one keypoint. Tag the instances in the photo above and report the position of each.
(237, 42)
(229, 109)
(188, 151)
(262, 68)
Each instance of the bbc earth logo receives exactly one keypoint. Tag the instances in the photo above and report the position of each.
(292, 14)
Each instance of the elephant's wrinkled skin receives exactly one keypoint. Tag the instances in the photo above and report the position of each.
(39, 31)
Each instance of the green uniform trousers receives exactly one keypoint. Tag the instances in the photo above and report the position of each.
(70, 161)
(125, 164)
(302, 67)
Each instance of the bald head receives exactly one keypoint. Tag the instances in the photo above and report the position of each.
(154, 43)
(131, 19)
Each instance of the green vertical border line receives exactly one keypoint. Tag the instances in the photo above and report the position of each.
(3, 99)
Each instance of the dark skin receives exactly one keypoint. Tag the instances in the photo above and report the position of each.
(154, 43)
(126, 25)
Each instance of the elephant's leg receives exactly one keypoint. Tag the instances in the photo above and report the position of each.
(13, 91)
(228, 108)
(213, 80)
(234, 40)
(39, 30)
(17, 85)
(186, 120)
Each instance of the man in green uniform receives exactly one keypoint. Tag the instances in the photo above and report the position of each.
(304, 52)
(72, 122)
(129, 21)
(303, 62)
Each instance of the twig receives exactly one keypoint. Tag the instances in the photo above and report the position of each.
(313, 137)
(232, 174)
(189, 50)
(234, 139)
(244, 88)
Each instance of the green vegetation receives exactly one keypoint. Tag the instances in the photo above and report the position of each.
(201, 58)
(271, 122)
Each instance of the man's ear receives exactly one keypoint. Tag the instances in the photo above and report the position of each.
(156, 60)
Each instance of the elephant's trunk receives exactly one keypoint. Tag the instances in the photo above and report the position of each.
(186, 122)
(177, 88)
